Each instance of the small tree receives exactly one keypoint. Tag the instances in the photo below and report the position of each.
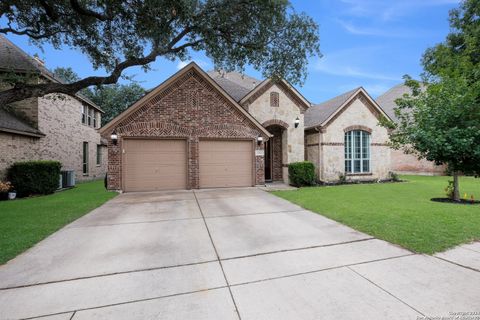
(440, 120)
(441, 124)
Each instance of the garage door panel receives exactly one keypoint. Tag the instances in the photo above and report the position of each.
(226, 163)
(153, 164)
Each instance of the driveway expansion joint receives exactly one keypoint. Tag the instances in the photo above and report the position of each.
(298, 249)
(107, 275)
(386, 291)
(320, 270)
(218, 257)
(126, 302)
(457, 264)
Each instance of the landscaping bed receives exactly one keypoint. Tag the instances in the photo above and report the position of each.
(24, 222)
(401, 213)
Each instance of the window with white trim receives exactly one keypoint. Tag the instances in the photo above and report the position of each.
(85, 158)
(84, 114)
(357, 152)
(90, 117)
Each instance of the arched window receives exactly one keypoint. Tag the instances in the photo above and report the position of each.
(357, 152)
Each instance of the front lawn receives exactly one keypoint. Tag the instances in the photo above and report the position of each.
(25, 222)
(400, 213)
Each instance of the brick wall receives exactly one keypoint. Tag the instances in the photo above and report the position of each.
(408, 163)
(59, 118)
(15, 148)
(188, 108)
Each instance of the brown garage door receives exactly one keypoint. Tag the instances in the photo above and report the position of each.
(226, 163)
(151, 164)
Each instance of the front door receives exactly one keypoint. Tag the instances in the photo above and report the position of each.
(268, 160)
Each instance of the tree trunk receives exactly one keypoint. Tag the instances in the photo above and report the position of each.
(456, 191)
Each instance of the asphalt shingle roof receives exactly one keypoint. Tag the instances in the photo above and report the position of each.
(317, 114)
(237, 85)
(387, 100)
(9, 122)
(12, 58)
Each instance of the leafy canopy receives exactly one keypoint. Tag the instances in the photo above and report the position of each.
(116, 35)
(440, 120)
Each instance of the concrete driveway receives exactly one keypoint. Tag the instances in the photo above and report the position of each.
(225, 254)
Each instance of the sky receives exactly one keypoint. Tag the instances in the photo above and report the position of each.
(369, 43)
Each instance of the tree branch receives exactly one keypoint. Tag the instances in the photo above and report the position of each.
(23, 91)
(87, 12)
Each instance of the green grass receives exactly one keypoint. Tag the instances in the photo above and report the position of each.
(24, 222)
(400, 213)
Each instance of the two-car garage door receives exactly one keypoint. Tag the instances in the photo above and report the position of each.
(160, 164)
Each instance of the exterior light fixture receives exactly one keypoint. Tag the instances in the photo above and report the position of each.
(114, 137)
(297, 122)
(259, 140)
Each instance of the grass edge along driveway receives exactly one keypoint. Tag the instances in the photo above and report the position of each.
(25, 222)
(400, 213)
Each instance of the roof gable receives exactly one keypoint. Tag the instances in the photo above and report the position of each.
(164, 87)
(323, 114)
(286, 87)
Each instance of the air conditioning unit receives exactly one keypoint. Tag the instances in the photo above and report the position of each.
(67, 178)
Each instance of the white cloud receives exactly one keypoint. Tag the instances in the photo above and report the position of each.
(368, 31)
(389, 10)
(202, 63)
(354, 62)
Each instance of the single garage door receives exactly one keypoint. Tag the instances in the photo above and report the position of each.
(152, 164)
(226, 163)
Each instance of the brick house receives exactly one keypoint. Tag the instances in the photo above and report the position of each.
(402, 162)
(53, 127)
(199, 130)
(216, 129)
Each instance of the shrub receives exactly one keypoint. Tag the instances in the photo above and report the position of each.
(301, 173)
(394, 176)
(34, 177)
(449, 190)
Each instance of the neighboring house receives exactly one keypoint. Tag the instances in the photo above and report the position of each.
(53, 127)
(402, 162)
(343, 138)
(197, 130)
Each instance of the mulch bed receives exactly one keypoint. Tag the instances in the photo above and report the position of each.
(461, 201)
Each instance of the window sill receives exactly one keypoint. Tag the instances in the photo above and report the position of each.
(98, 165)
(359, 174)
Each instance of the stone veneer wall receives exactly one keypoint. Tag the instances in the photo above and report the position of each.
(287, 111)
(188, 108)
(329, 144)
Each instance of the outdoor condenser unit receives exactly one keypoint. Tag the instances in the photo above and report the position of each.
(67, 178)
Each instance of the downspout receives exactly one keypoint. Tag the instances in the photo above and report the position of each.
(320, 152)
